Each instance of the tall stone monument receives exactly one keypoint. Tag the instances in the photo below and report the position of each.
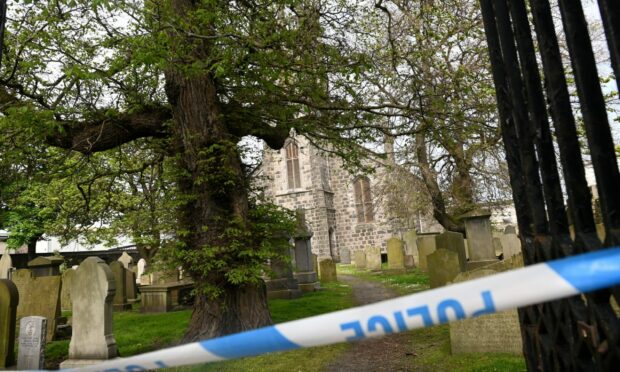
(396, 254)
(6, 265)
(8, 317)
(304, 263)
(479, 239)
(32, 337)
(93, 291)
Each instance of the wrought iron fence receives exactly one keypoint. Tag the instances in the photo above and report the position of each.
(580, 333)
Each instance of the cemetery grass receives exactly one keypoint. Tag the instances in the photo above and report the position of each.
(432, 345)
(137, 333)
(333, 297)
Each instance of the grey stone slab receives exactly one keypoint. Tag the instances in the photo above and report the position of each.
(92, 291)
(511, 245)
(411, 244)
(32, 335)
(141, 269)
(9, 298)
(345, 256)
(359, 259)
(120, 279)
(479, 236)
(65, 292)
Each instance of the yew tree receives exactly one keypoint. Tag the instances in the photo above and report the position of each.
(83, 77)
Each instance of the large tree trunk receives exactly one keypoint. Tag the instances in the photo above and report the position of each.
(214, 181)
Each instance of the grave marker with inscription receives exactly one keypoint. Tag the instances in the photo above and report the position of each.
(396, 254)
(373, 258)
(443, 267)
(453, 241)
(426, 246)
(327, 270)
(32, 335)
(360, 259)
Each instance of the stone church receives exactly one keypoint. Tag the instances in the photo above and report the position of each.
(343, 210)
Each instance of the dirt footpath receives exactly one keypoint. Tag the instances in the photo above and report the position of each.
(390, 353)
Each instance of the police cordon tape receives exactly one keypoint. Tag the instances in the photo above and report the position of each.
(508, 290)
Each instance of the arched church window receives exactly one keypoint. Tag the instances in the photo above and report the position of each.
(292, 166)
(363, 200)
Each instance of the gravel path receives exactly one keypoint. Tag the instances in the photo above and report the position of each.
(390, 353)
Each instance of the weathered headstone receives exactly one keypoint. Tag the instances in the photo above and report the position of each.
(491, 333)
(396, 254)
(39, 296)
(480, 239)
(120, 279)
(454, 242)
(6, 265)
(315, 263)
(126, 260)
(345, 256)
(305, 273)
(32, 335)
(141, 269)
(65, 292)
(411, 246)
(327, 270)
(426, 245)
(511, 245)
(130, 285)
(281, 284)
(93, 290)
(409, 261)
(443, 266)
(497, 246)
(46, 266)
(360, 259)
(510, 229)
(373, 258)
(9, 298)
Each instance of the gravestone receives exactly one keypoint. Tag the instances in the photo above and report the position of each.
(511, 245)
(453, 241)
(345, 256)
(46, 266)
(426, 245)
(510, 229)
(305, 273)
(480, 239)
(65, 292)
(31, 355)
(93, 291)
(373, 258)
(6, 265)
(39, 296)
(409, 261)
(360, 259)
(443, 266)
(396, 254)
(315, 263)
(411, 246)
(130, 285)
(327, 270)
(120, 278)
(141, 268)
(497, 246)
(9, 298)
(126, 260)
(491, 333)
(282, 284)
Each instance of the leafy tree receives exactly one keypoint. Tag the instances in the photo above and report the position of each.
(95, 76)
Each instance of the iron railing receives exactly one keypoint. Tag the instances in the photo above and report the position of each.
(583, 332)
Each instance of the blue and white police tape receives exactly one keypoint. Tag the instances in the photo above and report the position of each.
(508, 290)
